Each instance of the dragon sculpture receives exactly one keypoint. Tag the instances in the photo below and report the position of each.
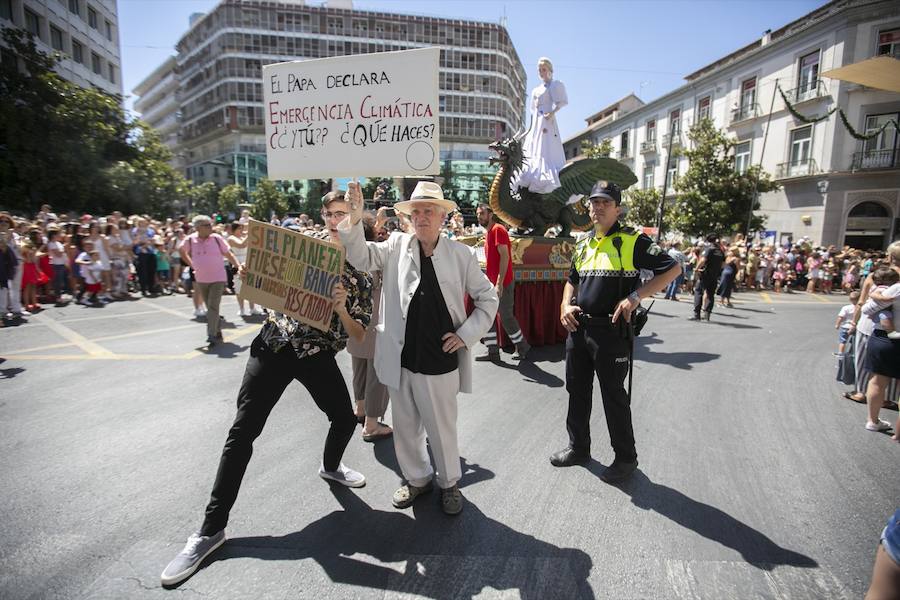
(532, 213)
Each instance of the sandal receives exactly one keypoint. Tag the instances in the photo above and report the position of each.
(889, 404)
(382, 432)
(853, 397)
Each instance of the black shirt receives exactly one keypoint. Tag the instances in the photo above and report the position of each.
(715, 258)
(426, 323)
(598, 282)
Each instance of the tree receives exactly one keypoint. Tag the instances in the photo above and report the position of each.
(712, 196)
(387, 194)
(601, 150)
(229, 198)
(643, 208)
(204, 198)
(267, 199)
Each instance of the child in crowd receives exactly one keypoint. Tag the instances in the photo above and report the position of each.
(886, 284)
(845, 320)
(8, 264)
(91, 272)
(163, 269)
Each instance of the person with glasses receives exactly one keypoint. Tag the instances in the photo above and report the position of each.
(603, 289)
(424, 335)
(286, 350)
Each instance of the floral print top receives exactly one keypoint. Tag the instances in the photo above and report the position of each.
(281, 331)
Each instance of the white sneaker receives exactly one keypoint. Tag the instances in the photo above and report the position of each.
(257, 311)
(199, 312)
(24, 313)
(244, 313)
(881, 425)
(197, 548)
(344, 475)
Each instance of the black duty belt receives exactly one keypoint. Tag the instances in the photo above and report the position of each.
(588, 320)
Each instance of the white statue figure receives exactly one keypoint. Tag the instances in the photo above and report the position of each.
(542, 145)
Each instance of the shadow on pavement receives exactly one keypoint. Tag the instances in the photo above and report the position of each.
(679, 360)
(10, 373)
(710, 522)
(224, 349)
(471, 472)
(441, 556)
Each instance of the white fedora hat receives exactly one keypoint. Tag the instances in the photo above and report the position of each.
(426, 191)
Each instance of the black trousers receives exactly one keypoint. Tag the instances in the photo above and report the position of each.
(600, 351)
(709, 287)
(265, 379)
(146, 269)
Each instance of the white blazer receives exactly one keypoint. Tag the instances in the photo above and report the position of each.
(458, 274)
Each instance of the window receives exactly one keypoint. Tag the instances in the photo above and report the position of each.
(801, 149)
(56, 38)
(109, 34)
(32, 23)
(649, 169)
(884, 140)
(112, 73)
(675, 122)
(623, 144)
(809, 75)
(77, 52)
(671, 176)
(6, 10)
(742, 157)
(889, 43)
(748, 94)
(703, 108)
(75, 7)
(92, 17)
(651, 130)
(96, 65)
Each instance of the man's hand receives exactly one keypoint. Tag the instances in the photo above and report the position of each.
(339, 298)
(242, 270)
(355, 198)
(452, 343)
(568, 315)
(499, 289)
(624, 309)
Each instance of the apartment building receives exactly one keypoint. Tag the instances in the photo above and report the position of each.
(219, 76)
(835, 189)
(85, 33)
(158, 104)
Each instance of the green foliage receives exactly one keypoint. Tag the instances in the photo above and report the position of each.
(203, 198)
(712, 196)
(267, 199)
(229, 198)
(450, 186)
(643, 208)
(371, 187)
(601, 150)
(74, 147)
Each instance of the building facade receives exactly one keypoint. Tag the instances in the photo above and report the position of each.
(158, 104)
(835, 189)
(219, 74)
(85, 34)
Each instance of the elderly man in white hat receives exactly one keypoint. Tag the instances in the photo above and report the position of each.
(424, 334)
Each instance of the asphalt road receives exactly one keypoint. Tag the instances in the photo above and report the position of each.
(756, 480)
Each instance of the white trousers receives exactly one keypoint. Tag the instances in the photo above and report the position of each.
(426, 405)
(15, 291)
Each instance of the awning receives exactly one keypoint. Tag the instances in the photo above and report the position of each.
(881, 73)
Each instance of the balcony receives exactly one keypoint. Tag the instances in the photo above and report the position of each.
(744, 113)
(648, 147)
(875, 159)
(807, 91)
(624, 154)
(797, 168)
(675, 140)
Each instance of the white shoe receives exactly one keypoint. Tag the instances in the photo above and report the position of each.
(257, 311)
(24, 313)
(85, 302)
(881, 425)
(244, 313)
(344, 475)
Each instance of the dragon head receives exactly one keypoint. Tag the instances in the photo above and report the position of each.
(509, 152)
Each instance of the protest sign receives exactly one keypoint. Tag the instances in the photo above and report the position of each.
(291, 273)
(368, 114)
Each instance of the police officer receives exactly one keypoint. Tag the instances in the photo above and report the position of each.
(707, 273)
(597, 303)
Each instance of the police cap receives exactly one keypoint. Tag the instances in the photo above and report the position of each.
(607, 189)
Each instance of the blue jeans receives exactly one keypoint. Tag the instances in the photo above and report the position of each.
(672, 290)
(60, 280)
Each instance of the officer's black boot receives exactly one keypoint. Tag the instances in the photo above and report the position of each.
(618, 471)
(569, 457)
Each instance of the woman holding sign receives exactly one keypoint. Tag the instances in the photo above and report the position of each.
(285, 350)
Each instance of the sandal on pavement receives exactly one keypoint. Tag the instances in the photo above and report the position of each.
(382, 432)
(855, 397)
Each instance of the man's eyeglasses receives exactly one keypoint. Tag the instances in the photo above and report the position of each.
(338, 214)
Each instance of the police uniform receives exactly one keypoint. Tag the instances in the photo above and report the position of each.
(598, 346)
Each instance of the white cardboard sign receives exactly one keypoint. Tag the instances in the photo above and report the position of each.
(368, 114)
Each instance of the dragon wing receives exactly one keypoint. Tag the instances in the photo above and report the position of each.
(578, 177)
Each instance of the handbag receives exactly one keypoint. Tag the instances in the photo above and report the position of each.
(846, 364)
